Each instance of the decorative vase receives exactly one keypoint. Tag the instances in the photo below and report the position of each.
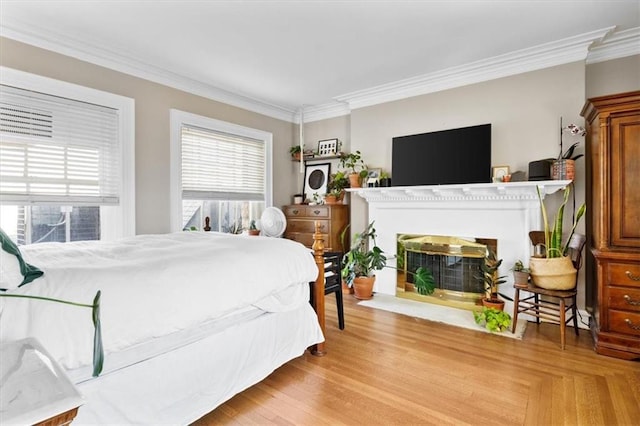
(556, 273)
(363, 287)
(563, 170)
(354, 180)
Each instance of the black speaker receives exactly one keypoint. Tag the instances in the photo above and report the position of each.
(540, 170)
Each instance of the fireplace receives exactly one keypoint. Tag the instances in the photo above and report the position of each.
(454, 263)
(504, 212)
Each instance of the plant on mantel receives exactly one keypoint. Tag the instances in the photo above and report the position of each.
(356, 167)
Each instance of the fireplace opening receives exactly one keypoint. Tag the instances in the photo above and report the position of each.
(454, 263)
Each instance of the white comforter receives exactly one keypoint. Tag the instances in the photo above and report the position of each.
(152, 285)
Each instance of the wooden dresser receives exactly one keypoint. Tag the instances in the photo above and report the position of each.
(613, 223)
(333, 220)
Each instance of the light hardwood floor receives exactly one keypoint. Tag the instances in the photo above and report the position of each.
(388, 369)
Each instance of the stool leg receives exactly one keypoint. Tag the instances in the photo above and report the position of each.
(537, 308)
(575, 315)
(562, 323)
(516, 301)
(340, 309)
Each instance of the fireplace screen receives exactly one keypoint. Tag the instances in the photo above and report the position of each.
(454, 263)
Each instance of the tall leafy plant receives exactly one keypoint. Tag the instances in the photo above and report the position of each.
(553, 236)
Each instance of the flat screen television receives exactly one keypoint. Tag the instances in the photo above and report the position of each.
(455, 156)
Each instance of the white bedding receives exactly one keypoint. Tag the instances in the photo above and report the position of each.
(152, 286)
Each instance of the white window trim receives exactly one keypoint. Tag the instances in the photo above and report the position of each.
(180, 118)
(122, 222)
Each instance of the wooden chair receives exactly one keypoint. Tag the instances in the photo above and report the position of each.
(333, 281)
(551, 304)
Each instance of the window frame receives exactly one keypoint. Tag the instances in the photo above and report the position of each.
(117, 221)
(179, 118)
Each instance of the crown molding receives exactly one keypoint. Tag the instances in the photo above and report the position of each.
(543, 56)
(618, 45)
(324, 111)
(117, 61)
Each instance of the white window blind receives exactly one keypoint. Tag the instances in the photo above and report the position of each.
(221, 166)
(57, 150)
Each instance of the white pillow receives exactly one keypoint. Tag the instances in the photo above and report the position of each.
(10, 275)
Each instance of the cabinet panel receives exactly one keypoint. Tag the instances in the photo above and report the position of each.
(332, 220)
(625, 181)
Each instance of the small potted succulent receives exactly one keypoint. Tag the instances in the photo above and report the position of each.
(385, 179)
(253, 229)
(520, 275)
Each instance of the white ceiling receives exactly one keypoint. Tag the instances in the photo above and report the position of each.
(276, 56)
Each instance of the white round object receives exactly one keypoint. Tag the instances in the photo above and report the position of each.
(273, 222)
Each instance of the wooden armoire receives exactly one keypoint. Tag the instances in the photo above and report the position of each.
(613, 223)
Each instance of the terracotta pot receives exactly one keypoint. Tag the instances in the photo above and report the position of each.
(563, 170)
(363, 287)
(556, 273)
(496, 304)
(346, 288)
(334, 199)
(254, 232)
(520, 279)
(354, 180)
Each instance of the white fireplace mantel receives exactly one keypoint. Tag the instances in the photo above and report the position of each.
(502, 211)
(464, 192)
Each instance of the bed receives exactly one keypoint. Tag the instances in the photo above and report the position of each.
(188, 319)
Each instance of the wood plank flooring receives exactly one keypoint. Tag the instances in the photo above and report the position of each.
(390, 369)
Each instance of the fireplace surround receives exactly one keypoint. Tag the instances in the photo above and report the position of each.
(505, 212)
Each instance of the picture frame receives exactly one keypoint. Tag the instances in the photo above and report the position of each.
(328, 147)
(316, 178)
(374, 174)
(499, 172)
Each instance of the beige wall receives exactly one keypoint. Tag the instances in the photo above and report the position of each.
(616, 76)
(524, 111)
(153, 102)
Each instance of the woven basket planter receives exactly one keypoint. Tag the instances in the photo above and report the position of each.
(555, 273)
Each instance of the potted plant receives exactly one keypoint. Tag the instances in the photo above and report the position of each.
(362, 260)
(489, 275)
(385, 179)
(564, 166)
(492, 319)
(296, 152)
(520, 275)
(555, 271)
(336, 185)
(253, 229)
(356, 167)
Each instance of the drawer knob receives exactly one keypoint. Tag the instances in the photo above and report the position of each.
(631, 324)
(630, 301)
(633, 277)
(316, 212)
(295, 211)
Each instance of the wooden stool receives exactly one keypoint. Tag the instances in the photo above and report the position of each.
(562, 301)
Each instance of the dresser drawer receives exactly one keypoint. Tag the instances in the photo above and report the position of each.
(624, 274)
(307, 211)
(624, 322)
(307, 225)
(627, 299)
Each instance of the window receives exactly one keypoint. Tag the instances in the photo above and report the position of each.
(219, 170)
(66, 161)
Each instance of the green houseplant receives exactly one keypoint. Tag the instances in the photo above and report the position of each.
(363, 259)
(355, 166)
(296, 152)
(520, 274)
(489, 276)
(555, 271)
(492, 319)
(253, 229)
(337, 183)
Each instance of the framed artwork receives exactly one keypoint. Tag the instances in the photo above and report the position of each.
(316, 178)
(374, 174)
(327, 147)
(499, 172)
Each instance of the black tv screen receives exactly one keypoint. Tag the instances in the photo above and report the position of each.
(446, 157)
